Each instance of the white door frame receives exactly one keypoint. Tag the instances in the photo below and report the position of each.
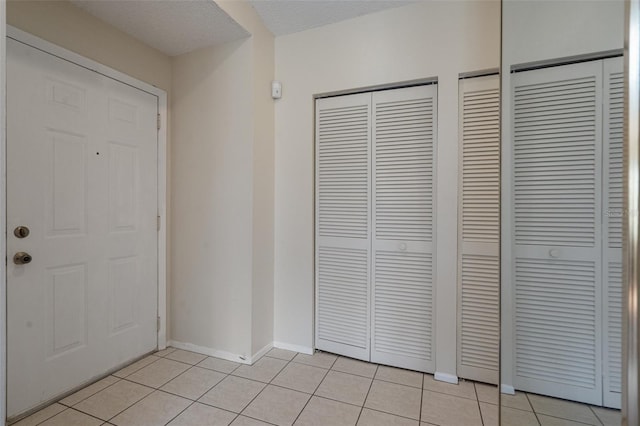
(77, 59)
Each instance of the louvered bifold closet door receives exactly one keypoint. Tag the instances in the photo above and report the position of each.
(479, 229)
(612, 251)
(557, 219)
(343, 164)
(404, 141)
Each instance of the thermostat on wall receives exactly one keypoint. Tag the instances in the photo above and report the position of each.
(276, 89)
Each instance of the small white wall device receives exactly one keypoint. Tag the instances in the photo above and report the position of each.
(276, 89)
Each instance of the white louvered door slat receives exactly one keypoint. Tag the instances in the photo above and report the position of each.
(479, 229)
(343, 138)
(403, 149)
(557, 224)
(612, 232)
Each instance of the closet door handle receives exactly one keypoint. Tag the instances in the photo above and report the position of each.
(555, 253)
(402, 246)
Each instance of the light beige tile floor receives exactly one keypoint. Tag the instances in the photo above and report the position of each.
(181, 388)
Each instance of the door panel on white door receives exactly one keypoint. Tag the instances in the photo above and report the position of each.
(123, 167)
(124, 284)
(66, 315)
(479, 229)
(67, 192)
(343, 224)
(556, 235)
(403, 149)
(82, 176)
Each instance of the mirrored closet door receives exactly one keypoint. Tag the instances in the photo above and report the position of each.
(562, 204)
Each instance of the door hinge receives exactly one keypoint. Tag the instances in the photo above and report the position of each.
(158, 325)
(158, 223)
(159, 121)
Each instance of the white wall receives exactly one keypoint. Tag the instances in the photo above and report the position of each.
(537, 30)
(263, 171)
(428, 39)
(212, 198)
(223, 185)
(68, 26)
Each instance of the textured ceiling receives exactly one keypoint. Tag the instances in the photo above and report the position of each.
(173, 27)
(290, 16)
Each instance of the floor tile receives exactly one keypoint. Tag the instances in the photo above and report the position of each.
(354, 366)
(394, 399)
(399, 376)
(281, 354)
(203, 415)
(130, 369)
(158, 373)
(156, 409)
(277, 405)
(489, 414)
(71, 417)
(464, 389)
(322, 412)
(42, 415)
(449, 410)
(510, 416)
(513, 417)
(376, 418)
(233, 393)
(300, 377)
(114, 399)
(86, 392)
(344, 387)
(263, 370)
(186, 357)
(221, 365)
(193, 383)
(555, 421)
(246, 421)
(165, 352)
(518, 401)
(608, 416)
(563, 409)
(487, 393)
(318, 359)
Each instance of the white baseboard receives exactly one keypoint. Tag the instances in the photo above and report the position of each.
(261, 353)
(210, 351)
(445, 377)
(295, 348)
(508, 389)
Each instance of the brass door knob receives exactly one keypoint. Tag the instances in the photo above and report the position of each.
(21, 232)
(22, 258)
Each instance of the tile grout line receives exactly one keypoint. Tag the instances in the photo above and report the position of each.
(596, 415)
(118, 379)
(155, 388)
(209, 390)
(367, 395)
(475, 390)
(266, 386)
(192, 401)
(421, 400)
(535, 413)
(288, 362)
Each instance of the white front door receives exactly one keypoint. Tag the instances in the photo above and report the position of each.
(82, 177)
